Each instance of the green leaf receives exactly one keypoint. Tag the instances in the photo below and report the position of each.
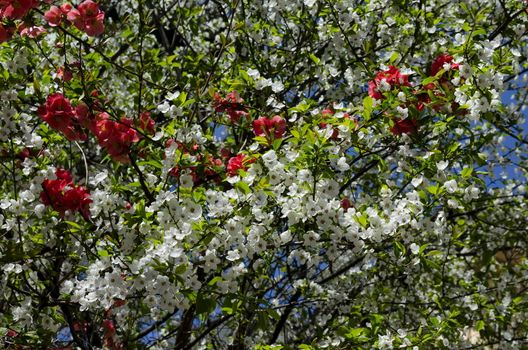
(152, 162)
(295, 133)
(423, 247)
(433, 189)
(244, 75)
(429, 80)
(261, 140)
(277, 143)
(362, 220)
(355, 333)
(400, 248)
(274, 314)
(453, 148)
(73, 224)
(214, 280)
(433, 253)
(228, 310)
(466, 172)
(262, 321)
(395, 55)
(244, 187)
(302, 107)
(204, 305)
(180, 269)
(315, 59)
(368, 103)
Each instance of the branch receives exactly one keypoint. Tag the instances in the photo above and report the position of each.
(149, 195)
(151, 327)
(341, 270)
(284, 317)
(211, 328)
(360, 173)
(505, 24)
(184, 333)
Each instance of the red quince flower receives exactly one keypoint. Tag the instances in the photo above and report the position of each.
(31, 31)
(392, 77)
(439, 62)
(66, 8)
(146, 123)
(25, 153)
(64, 73)
(62, 195)
(78, 199)
(232, 104)
(115, 137)
(57, 111)
(54, 16)
(59, 114)
(346, 204)
(239, 162)
(63, 174)
(11, 333)
(373, 90)
(16, 9)
(85, 117)
(5, 33)
(404, 126)
(110, 335)
(327, 112)
(109, 326)
(275, 126)
(88, 18)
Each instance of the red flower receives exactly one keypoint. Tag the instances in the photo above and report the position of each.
(5, 33)
(63, 174)
(146, 123)
(57, 111)
(59, 114)
(404, 126)
(232, 104)
(109, 326)
(53, 193)
(275, 126)
(392, 77)
(16, 9)
(423, 98)
(54, 16)
(439, 62)
(328, 112)
(11, 333)
(346, 204)
(110, 335)
(373, 90)
(66, 8)
(88, 18)
(25, 153)
(115, 137)
(85, 117)
(62, 195)
(32, 31)
(78, 199)
(238, 162)
(64, 73)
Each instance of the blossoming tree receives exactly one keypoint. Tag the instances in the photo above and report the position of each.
(263, 174)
